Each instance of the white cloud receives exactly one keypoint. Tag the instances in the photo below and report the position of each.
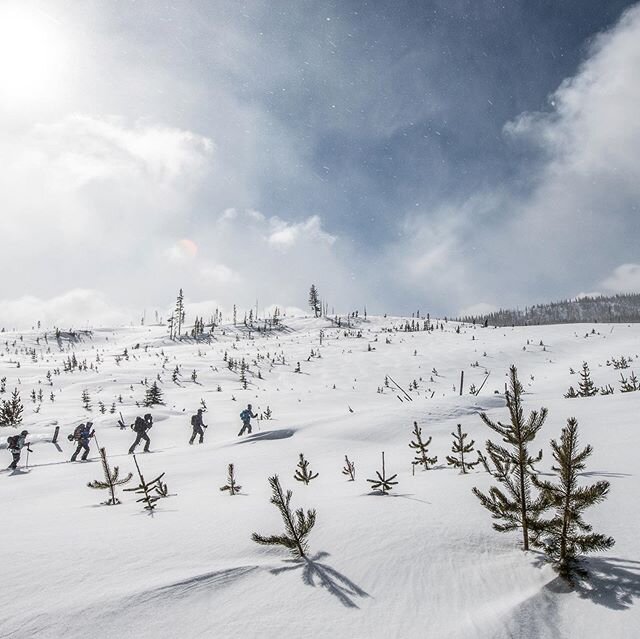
(481, 308)
(284, 234)
(624, 279)
(78, 308)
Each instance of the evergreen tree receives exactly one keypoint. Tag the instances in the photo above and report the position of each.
(86, 400)
(303, 473)
(147, 489)
(11, 410)
(349, 469)
(460, 448)
(111, 479)
(514, 506)
(297, 525)
(314, 300)
(421, 448)
(231, 485)
(153, 395)
(566, 535)
(179, 313)
(383, 484)
(586, 388)
(571, 393)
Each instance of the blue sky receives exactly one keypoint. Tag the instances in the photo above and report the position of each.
(435, 155)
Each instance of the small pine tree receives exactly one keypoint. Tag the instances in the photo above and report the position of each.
(268, 414)
(571, 393)
(422, 448)
(460, 448)
(314, 300)
(515, 506)
(383, 484)
(303, 473)
(586, 387)
(86, 400)
(146, 489)
(297, 526)
(231, 485)
(153, 395)
(111, 479)
(349, 469)
(566, 535)
(11, 410)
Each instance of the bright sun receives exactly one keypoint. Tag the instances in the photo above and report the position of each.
(32, 56)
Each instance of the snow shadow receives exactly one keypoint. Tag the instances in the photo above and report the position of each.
(193, 585)
(281, 433)
(611, 582)
(315, 573)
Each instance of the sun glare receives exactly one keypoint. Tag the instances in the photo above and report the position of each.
(32, 56)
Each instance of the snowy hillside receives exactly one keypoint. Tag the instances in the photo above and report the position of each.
(421, 561)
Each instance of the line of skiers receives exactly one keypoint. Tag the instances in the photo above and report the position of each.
(83, 434)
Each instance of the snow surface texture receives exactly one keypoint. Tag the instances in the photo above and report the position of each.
(423, 561)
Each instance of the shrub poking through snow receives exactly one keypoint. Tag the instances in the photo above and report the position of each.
(111, 479)
(303, 473)
(231, 485)
(566, 535)
(383, 484)
(459, 448)
(586, 387)
(422, 449)
(147, 489)
(513, 506)
(349, 469)
(297, 525)
(153, 395)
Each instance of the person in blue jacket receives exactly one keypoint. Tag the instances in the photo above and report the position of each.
(246, 416)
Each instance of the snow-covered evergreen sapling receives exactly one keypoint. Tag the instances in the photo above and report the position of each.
(460, 448)
(303, 472)
(586, 387)
(422, 448)
(147, 489)
(566, 535)
(231, 485)
(153, 395)
(514, 506)
(349, 469)
(111, 479)
(297, 525)
(383, 484)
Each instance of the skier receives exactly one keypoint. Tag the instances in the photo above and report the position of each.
(82, 434)
(246, 416)
(197, 425)
(140, 427)
(16, 443)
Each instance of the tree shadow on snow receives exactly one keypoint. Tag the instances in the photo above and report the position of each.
(602, 473)
(611, 582)
(316, 574)
(377, 493)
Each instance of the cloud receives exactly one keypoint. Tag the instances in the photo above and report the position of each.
(78, 308)
(481, 308)
(285, 234)
(624, 279)
(577, 214)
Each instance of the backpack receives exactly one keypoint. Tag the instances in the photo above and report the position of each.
(140, 425)
(77, 433)
(12, 441)
(245, 415)
(194, 420)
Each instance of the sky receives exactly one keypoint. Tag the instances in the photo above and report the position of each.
(447, 156)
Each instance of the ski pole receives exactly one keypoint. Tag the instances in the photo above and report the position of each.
(26, 465)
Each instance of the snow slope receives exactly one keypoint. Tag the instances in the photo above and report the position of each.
(423, 561)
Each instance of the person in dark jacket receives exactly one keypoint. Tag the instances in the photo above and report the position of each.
(83, 435)
(15, 447)
(246, 416)
(140, 427)
(197, 424)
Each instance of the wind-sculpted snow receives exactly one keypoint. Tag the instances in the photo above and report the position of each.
(421, 561)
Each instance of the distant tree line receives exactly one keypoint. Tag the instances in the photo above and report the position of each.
(616, 308)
